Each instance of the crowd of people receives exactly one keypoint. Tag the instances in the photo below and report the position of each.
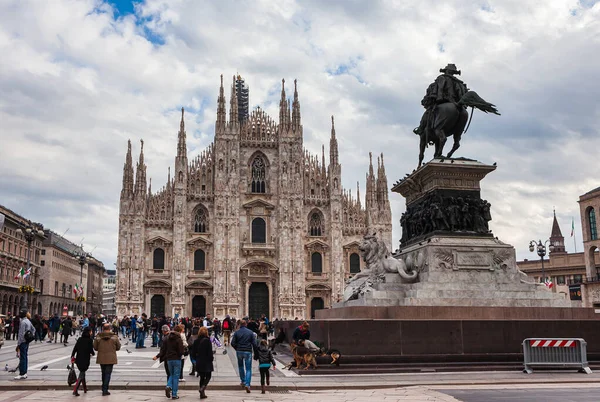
(176, 339)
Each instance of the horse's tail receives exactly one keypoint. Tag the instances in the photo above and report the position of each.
(471, 99)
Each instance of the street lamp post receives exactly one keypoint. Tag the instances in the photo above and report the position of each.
(81, 257)
(541, 251)
(29, 232)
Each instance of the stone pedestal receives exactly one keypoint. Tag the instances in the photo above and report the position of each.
(460, 271)
(446, 240)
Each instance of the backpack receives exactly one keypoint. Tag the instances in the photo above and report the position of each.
(28, 336)
(225, 324)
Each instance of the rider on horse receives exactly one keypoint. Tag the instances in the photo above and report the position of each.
(446, 88)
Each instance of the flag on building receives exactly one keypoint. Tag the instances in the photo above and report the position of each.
(78, 289)
(548, 283)
(572, 227)
(20, 273)
(27, 273)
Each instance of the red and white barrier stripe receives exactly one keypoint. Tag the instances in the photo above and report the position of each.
(547, 343)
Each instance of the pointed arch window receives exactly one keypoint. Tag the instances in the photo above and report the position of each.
(200, 220)
(315, 225)
(258, 175)
(592, 223)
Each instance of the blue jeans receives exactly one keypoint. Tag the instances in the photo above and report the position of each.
(124, 331)
(140, 339)
(154, 338)
(245, 358)
(106, 370)
(174, 372)
(23, 350)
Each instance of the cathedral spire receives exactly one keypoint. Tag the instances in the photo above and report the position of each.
(296, 122)
(358, 194)
(284, 111)
(233, 105)
(221, 114)
(127, 189)
(181, 138)
(140, 175)
(333, 146)
(323, 159)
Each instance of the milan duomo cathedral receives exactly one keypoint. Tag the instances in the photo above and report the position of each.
(252, 225)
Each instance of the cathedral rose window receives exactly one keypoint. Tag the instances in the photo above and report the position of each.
(258, 175)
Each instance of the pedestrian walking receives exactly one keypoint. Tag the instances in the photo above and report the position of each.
(201, 352)
(81, 355)
(2, 332)
(16, 324)
(171, 352)
(106, 344)
(186, 349)
(244, 343)
(227, 326)
(67, 327)
(26, 335)
(265, 360)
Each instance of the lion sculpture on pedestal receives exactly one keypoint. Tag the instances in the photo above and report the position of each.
(379, 262)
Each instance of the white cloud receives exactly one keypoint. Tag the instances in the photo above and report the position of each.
(76, 83)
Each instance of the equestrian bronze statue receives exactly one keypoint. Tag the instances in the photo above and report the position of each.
(446, 102)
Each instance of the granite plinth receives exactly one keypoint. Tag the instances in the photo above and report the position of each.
(438, 340)
(461, 271)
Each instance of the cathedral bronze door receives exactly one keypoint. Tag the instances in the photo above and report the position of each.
(157, 306)
(198, 306)
(258, 300)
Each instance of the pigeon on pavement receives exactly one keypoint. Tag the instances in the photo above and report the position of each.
(43, 368)
(128, 351)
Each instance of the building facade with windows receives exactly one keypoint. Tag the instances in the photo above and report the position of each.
(60, 274)
(252, 225)
(589, 208)
(95, 285)
(13, 257)
(109, 291)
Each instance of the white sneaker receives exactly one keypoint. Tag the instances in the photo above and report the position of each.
(182, 380)
(21, 377)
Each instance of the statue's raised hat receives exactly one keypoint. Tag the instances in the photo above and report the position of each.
(450, 69)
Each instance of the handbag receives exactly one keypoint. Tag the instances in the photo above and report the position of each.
(72, 378)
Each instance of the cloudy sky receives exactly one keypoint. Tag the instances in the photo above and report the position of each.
(79, 78)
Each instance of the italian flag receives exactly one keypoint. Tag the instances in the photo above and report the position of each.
(572, 227)
(21, 273)
(27, 273)
(548, 283)
(78, 289)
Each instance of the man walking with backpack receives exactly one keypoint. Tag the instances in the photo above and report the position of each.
(226, 325)
(26, 335)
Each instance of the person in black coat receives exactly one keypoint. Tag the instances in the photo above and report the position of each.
(66, 329)
(81, 355)
(202, 353)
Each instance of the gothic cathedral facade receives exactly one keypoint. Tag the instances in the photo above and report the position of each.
(253, 225)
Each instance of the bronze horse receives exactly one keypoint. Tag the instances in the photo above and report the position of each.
(449, 119)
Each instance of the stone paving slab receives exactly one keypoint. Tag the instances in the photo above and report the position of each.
(398, 395)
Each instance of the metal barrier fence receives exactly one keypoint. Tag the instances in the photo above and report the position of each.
(555, 352)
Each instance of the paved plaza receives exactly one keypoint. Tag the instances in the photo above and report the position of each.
(138, 378)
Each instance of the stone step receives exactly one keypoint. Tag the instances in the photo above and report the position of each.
(518, 302)
(478, 293)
